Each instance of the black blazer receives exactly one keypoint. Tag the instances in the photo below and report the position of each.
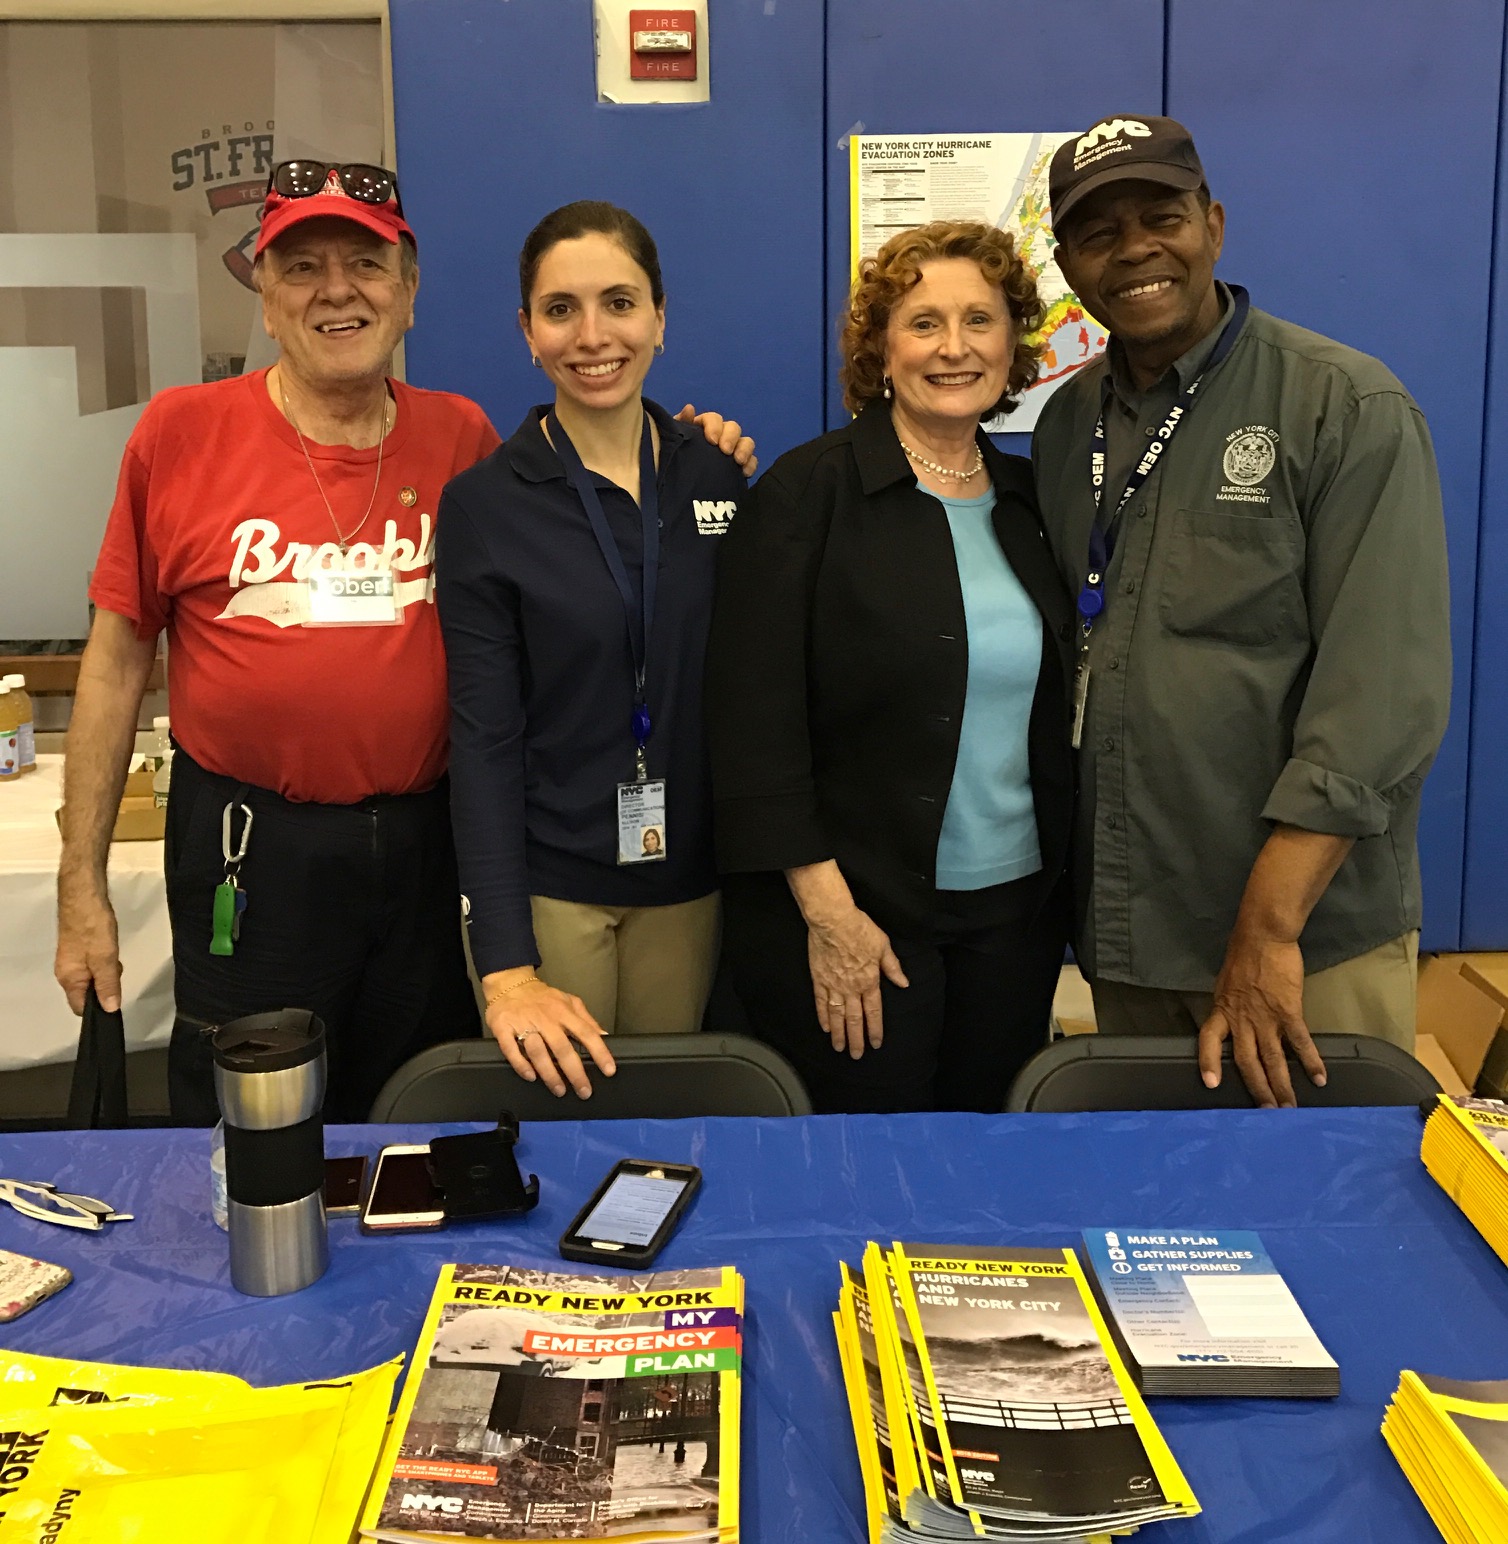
(838, 663)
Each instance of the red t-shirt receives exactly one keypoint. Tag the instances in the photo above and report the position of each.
(215, 522)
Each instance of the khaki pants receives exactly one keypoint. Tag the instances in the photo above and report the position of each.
(1374, 994)
(640, 970)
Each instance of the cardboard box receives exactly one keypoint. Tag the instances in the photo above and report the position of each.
(1457, 1014)
(1488, 973)
(137, 820)
(138, 784)
(1428, 1053)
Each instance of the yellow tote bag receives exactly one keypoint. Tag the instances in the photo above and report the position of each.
(223, 1464)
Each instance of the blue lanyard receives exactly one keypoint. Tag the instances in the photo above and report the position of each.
(1101, 542)
(649, 517)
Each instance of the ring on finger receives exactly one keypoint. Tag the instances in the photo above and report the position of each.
(521, 1035)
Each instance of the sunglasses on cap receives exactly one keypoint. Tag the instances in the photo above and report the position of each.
(361, 181)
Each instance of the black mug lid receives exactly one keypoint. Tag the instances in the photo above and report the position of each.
(269, 1042)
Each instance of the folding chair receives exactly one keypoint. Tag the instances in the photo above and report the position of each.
(1161, 1072)
(659, 1076)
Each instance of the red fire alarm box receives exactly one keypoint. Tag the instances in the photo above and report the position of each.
(662, 44)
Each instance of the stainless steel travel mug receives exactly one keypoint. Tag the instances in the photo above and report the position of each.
(270, 1081)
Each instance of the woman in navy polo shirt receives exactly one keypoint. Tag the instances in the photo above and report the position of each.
(574, 572)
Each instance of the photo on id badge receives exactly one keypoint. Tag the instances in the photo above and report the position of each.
(641, 822)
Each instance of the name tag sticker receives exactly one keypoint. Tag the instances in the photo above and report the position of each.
(641, 822)
(352, 599)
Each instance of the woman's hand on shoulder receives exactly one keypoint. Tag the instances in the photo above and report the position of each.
(538, 1029)
(726, 434)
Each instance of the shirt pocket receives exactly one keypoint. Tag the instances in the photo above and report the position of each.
(1233, 578)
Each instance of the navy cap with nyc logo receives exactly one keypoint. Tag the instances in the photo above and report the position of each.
(1125, 148)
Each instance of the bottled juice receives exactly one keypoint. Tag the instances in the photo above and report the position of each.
(26, 736)
(10, 726)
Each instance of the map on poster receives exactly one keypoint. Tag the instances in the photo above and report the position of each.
(898, 181)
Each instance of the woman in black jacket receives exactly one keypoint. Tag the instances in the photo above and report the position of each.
(888, 702)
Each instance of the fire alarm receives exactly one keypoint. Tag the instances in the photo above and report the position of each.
(662, 44)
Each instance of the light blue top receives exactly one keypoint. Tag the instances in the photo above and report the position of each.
(989, 830)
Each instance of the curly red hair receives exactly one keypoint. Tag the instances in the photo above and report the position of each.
(884, 278)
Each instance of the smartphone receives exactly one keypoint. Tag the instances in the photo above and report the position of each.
(632, 1213)
(403, 1196)
(25, 1282)
(343, 1180)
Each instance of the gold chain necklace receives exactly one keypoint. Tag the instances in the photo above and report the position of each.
(946, 472)
(343, 541)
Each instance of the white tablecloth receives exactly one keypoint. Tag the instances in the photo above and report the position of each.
(36, 1024)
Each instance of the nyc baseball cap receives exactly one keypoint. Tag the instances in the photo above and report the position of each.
(378, 208)
(1125, 148)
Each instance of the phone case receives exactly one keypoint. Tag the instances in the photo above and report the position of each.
(635, 1257)
(24, 1282)
(478, 1174)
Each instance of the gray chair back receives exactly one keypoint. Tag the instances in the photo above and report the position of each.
(658, 1077)
(1161, 1072)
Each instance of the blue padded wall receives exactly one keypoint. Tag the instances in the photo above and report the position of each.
(1354, 145)
(973, 66)
(498, 122)
(1484, 923)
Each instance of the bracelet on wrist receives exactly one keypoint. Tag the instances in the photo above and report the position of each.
(512, 986)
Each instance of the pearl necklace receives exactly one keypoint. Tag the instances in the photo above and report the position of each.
(948, 473)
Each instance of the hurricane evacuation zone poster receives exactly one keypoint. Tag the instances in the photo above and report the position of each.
(901, 181)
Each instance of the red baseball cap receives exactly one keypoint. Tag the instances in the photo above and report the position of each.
(280, 214)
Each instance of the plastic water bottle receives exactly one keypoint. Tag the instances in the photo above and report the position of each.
(219, 1204)
(162, 755)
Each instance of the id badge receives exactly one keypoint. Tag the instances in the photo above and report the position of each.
(364, 599)
(1080, 699)
(641, 822)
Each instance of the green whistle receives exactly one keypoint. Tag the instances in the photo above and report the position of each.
(222, 940)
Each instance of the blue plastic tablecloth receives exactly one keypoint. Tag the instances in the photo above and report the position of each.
(1388, 1271)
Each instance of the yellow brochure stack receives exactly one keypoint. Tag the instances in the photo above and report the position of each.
(988, 1400)
(546, 1406)
(1451, 1441)
(1465, 1149)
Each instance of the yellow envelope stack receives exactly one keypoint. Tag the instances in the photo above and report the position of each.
(1465, 1149)
(1451, 1440)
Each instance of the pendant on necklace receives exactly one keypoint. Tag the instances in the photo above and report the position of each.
(343, 549)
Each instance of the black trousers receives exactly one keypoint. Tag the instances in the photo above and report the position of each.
(982, 981)
(352, 911)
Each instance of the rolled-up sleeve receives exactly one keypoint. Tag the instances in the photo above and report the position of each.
(764, 795)
(479, 620)
(1376, 702)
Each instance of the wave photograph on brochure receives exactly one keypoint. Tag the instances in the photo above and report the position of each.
(546, 1406)
(987, 1395)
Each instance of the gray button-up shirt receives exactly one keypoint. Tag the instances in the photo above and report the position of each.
(1274, 649)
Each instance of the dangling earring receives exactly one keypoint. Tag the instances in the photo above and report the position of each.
(659, 348)
(887, 388)
(537, 365)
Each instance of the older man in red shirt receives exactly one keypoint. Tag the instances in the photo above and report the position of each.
(280, 527)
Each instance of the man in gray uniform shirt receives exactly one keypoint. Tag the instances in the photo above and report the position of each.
(1250, 517)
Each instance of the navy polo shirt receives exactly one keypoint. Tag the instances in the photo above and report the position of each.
(542, 680)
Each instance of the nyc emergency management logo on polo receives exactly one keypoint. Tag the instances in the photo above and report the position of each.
(1108, 138)
(713, 516)
(1250, 454)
